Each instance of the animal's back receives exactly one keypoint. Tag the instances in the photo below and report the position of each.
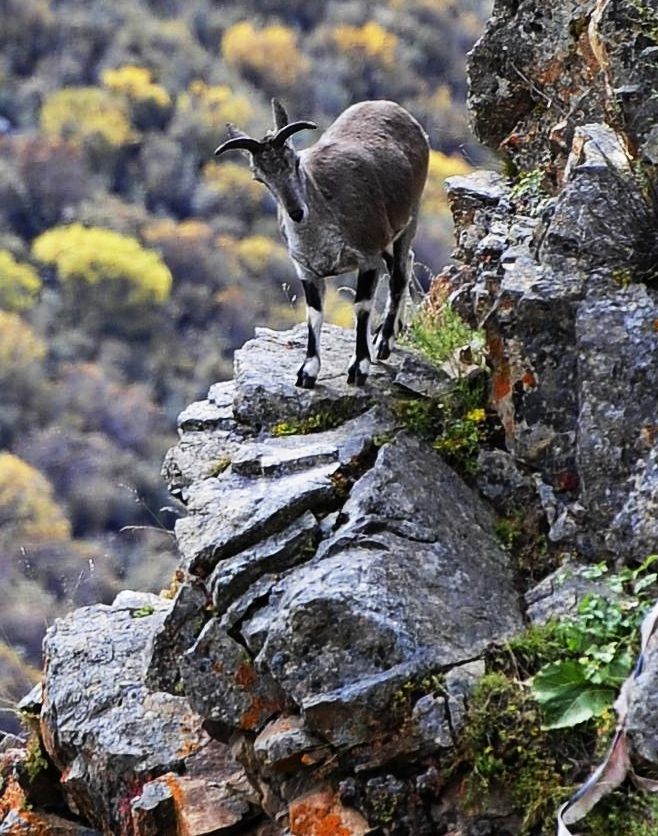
(376, 149)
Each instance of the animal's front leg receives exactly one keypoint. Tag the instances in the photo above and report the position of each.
(359, 367)
(314, 293)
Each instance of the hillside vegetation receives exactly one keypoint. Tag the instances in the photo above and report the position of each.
(132, 263)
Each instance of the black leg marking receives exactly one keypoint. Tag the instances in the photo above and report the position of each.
(397, 286)
(308, 372)
(359, 367)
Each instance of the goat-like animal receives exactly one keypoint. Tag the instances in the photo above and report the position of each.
(349, 202)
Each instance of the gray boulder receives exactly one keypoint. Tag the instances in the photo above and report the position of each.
(352, 618)
(104, 729)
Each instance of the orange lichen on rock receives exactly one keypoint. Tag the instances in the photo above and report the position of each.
(12, 798)
(320, 813)
(529, 380)
(245, 675)
(258, 711)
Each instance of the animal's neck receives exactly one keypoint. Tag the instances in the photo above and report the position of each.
(318, 206)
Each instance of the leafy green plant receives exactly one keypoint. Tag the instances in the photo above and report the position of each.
(35, 761)
(600, 643)
(528, 184)
(454, 422)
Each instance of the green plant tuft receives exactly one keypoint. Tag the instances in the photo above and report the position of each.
(507, 752)
(600, 643)
(437, 332)
(455, 422)
(143, 612)
(319, 422)
(36, 761)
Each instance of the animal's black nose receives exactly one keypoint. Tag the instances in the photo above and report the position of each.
(297, 215)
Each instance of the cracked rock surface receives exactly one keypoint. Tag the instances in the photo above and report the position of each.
(338, 584)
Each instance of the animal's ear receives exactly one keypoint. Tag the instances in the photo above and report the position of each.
(279, 114)
(238, 140)
(288, 130)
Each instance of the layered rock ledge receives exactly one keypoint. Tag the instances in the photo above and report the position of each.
(338, 587)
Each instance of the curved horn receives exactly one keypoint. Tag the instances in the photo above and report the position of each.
(279, 114)
(288, 130)
(238, 140)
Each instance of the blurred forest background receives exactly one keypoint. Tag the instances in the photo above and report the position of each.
(132, 263)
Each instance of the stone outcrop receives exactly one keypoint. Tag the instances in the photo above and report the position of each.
(572, 341)
(338, 587)
(310, 668)
(332, 579)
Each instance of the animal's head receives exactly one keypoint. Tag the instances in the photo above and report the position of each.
(274, 161)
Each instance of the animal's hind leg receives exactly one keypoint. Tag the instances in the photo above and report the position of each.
(314, 293)
(400, 269)
(359, 367)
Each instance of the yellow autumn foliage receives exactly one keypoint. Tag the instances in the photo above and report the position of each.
(441, 166)
(214, 105)
(270, 53)
(19, 343)
(337, 309)
(28, 511)
(94, 255)
(231, 180)
(19, 283)
(370, 42)
(137, 84)
(86, 114)
(258, 253)
(191, 230)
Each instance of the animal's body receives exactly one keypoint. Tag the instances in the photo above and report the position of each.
(349, 202)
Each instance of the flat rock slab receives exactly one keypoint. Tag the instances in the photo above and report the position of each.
(198, 455)
(101, 726)
(226, 516)
(287, 454)
(478, 188)
(233, 577)
(266, 369)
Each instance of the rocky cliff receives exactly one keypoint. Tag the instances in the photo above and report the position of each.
(311, 668)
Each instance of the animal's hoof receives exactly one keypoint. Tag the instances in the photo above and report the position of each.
(383, 350)
(308, 373)
(305, 381)
(356, 378)
(357, 371)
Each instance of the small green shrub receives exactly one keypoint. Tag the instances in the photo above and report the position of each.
(454, 423)
(600, 643)
(437, 332)
(35, 762)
